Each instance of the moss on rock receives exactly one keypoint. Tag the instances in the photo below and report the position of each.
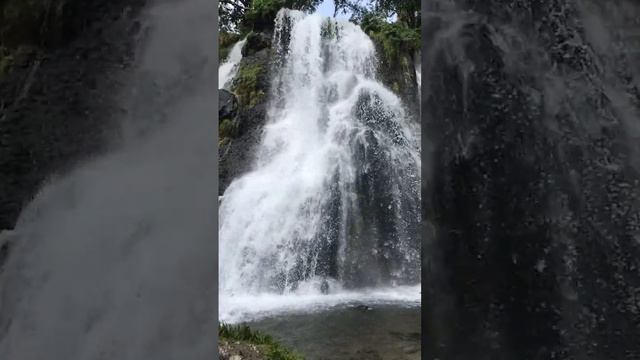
(223, 141)
(226, 129)
(245, 85)
(256, 41)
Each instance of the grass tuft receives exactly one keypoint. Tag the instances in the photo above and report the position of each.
(265, 343)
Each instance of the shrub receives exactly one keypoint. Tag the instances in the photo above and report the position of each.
(265, 343)
(393, 38)
(262, 13)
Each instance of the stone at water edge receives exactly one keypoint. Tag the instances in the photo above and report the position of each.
(361, 307)
(324, 287)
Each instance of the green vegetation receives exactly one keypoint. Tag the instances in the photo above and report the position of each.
(394, 38)
(226, 129)
(265, 344)
(245, 85)
(264, 10)
(261, 13)
(242, 16)
(222, 142)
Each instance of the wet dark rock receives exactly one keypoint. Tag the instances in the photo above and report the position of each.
(256, 41)
(362, 307)
(324, 287)
(7, 241)
(400, 77)
(237, 155)
(227, 105)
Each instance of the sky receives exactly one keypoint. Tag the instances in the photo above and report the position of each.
(326, 8)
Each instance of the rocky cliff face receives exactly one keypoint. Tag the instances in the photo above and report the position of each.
(531, 113)
(237, 143)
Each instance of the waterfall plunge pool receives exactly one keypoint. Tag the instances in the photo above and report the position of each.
(382, 323)
(349, 331)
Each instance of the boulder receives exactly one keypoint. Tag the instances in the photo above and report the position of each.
(256, 42)
(227, 106)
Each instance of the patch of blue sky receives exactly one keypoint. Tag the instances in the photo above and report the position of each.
(327, 8)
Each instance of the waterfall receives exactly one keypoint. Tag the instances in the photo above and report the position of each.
(418, 68)
(114, 259)
(229, 67)
(334, 196)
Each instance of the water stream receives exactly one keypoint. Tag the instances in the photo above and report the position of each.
(229, 66)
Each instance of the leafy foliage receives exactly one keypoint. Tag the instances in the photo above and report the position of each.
(231, 13)
(266, 344)
(394, 37)
(269, 8)
(405, 11)
(242, 16)
(246, 15)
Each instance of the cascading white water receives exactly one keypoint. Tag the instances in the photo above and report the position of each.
(418, 68)
(228, 69)
(334, 195)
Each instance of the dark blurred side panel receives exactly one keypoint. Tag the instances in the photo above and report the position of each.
(531, 179)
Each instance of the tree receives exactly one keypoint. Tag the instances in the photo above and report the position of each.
(243, 15)
(231, 13)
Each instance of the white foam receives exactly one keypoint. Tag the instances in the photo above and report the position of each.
(246, 308)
